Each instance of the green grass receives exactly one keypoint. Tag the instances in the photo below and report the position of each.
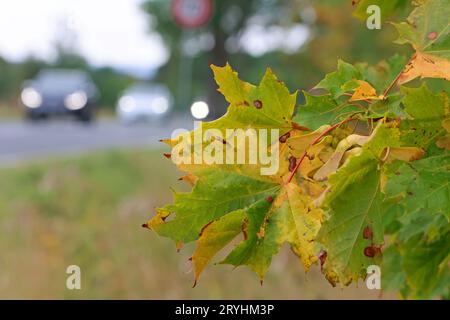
(88, 211)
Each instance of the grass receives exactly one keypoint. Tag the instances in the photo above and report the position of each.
(88, 211)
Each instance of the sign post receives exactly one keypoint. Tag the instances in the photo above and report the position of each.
(189, 15)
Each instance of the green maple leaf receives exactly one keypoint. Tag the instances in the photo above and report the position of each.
(354, 203)
(389, 107)
(427, 111)
(424, 184)
(383, 73)
(341, 80)
(393, 277)
(426, 266)
(216, 193)
(322, 109)
(342, 234)
(257, 250)
(422, 104)
(215, 236)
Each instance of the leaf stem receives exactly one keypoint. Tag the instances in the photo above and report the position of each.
(315, 141)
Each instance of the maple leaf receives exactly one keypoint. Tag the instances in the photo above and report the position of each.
(427, 111)
(426, 266)
(354, 200)
(341, 80)
(381, 74)
(193, 210)
(320, 110)
(364, 91)
(428, 30)
(268, 105)
(290, 218)
(225, 196)
(423, 184)
(215, 236)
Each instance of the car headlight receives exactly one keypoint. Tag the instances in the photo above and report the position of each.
(200, 110)
(31, 98)
(127, 104)
(160, 105)
(76, 100)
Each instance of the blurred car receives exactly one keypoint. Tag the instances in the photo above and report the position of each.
(144, 101)
(59, 92)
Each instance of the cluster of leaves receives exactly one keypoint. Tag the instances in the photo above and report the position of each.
(363, 176)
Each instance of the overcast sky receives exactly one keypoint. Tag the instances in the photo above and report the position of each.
(109, 32)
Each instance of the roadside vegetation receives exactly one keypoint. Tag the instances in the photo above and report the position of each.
(88, 211)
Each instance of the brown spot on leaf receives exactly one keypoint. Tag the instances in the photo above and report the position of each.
(269, 199)
(145, 225)
(372, 251)
(258, 104)
(243, 103)
(284, 137)
(410, 193)
(244, 228)
(292, 163)
(322, 258)
(167, 155)
(369, 252)
(432, 35)
(368, 233)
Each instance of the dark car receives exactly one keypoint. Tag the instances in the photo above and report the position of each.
(59, 92)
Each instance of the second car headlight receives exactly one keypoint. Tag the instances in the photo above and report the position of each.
(76, 100)
(160, 105)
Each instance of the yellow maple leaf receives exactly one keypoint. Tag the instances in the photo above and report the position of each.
(364, 91)
(425, 65)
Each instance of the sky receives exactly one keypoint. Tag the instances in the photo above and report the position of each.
(111, 33)
(108, 32)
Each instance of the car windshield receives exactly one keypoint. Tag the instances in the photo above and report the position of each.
(61, 79)
(147, 90)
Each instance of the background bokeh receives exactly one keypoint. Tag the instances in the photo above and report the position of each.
(77, 194)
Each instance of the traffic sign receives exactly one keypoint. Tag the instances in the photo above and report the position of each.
(192, 13)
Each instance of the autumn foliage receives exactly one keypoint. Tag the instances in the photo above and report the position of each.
(363, 177)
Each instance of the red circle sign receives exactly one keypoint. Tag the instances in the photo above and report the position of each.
(191, 13)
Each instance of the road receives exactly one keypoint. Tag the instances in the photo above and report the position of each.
(24, 142)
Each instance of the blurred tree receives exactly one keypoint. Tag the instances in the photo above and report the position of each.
(13, 74)
(333, 33)
(208, 45)
(110, 85)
